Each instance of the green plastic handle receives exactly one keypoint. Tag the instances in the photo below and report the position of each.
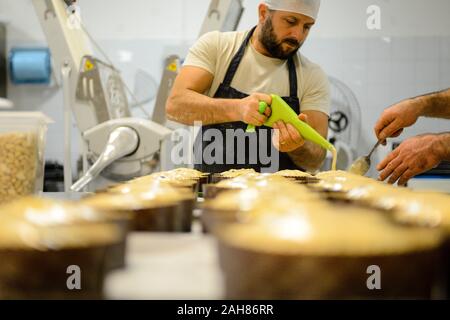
(261, 110)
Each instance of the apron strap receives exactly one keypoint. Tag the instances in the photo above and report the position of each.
(293, 89)
(234, 64)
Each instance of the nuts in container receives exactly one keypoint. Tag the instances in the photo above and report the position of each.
(18, 153)
(22, 143)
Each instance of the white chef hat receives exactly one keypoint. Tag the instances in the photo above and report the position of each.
(308, 8)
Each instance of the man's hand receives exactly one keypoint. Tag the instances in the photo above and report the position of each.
(247, 110)
(414, 156)
(286, 138)
(397, 117)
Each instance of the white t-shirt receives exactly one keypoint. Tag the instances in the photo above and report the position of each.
(214, 51)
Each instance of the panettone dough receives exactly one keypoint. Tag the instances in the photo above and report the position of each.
(158, 189)
(232, 173)
(249, 198)
(293, 173)
(44, 224)
(50, 213)
(128, 202)
(323, 230)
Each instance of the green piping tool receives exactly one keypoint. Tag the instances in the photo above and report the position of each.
(261, 110)
(282, 111)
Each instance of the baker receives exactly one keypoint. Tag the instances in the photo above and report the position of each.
(416, 154)
(226, 75)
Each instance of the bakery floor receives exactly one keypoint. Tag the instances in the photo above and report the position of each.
(167, 266)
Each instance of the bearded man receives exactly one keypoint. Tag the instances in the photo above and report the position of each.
(226, 75)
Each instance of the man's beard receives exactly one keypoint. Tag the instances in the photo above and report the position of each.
(274, 47)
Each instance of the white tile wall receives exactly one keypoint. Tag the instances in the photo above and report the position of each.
(402, 74)
(379, 49)
(445, 48)
(426, 72)
(379, 71)
(444, 75)
(355, 50)
(403, 49)
(422, 48)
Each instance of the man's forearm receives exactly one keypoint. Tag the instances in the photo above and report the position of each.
(443, 146)
(188, 106)
(435, 105)
(310, 156)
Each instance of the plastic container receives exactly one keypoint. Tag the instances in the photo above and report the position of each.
(22, 146)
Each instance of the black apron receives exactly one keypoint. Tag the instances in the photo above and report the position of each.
(246, 155)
